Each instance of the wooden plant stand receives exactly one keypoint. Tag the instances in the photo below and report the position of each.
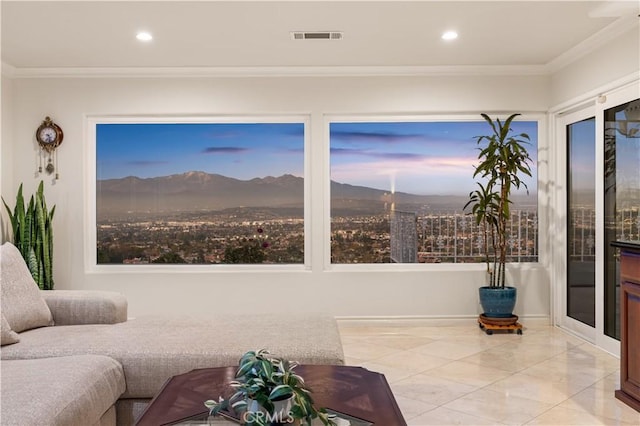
(489, 325)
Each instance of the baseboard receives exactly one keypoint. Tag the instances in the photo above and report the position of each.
(428, 321)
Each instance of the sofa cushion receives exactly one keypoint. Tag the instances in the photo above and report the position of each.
(8, 335)
(152, 349)
(22, 305)
(65, 391)
(74, 307)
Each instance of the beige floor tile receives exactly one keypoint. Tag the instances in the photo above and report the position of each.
(559, 370)
(411, 407)
(370, 330)
(398, 341)
(468, 373)
(551, 339)
(366, 351)
(499, 407)
(542, 349)
(543, 390)
(484, 341)
(426, 331)
(392, 374)
(352, 339)
(503, 379)
(450, 349)
(430, 389)
(506, 360)
(568, 417)
(599, 400)
(469, 328)
(612, 380)
(412, 360)
(444, 416)
(587, 347)
(582, 357)
(348, 360)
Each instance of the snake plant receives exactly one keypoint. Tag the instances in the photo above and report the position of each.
(32, 228)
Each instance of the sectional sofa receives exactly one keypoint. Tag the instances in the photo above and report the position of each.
(74, 358)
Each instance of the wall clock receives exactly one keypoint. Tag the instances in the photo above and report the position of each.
(49, 136)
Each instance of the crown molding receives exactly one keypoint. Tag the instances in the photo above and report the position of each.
(602, 37)
(239, 72)
(8, 70)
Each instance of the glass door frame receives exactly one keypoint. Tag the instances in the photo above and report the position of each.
(611, 100)
(560, 247)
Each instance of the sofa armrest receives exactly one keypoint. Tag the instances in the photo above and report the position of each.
(74, 307)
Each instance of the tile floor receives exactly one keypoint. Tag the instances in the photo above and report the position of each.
(458, 375)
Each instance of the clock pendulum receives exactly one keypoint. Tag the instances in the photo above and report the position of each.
(49, 136)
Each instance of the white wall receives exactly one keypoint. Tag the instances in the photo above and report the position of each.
(6, 148)
(430, 291)
(613, 61)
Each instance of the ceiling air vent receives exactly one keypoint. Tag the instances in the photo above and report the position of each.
(316, 35)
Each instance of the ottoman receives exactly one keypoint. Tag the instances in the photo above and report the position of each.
(66, 391)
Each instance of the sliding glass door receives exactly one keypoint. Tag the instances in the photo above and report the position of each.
(581, 221)
(575, 307)
(621, 199)
(598, 202)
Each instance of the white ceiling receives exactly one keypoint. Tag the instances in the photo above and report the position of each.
(534, 35)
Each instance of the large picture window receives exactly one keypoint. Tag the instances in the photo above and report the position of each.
(200, 193)
(398, 190)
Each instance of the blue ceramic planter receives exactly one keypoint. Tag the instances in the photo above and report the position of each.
(498, 302)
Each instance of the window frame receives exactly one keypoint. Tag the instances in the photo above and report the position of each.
(90, 175)
(542, 176)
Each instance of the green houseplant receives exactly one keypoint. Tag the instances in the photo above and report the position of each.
(32, 230)
(267, 391)
(503, 161)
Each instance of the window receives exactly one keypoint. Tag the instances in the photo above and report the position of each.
(398, 189)
(200, 193)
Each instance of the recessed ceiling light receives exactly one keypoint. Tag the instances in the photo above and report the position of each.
(144, 36)
(449, 35)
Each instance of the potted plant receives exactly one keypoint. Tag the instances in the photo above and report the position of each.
(503, 161)
(267, 391)
(32, 230)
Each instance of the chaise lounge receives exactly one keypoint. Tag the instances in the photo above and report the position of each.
(72, 357)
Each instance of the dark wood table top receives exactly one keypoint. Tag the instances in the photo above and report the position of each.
(354, 391)
(630, 245)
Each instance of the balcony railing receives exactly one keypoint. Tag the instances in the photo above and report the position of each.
(455, 237)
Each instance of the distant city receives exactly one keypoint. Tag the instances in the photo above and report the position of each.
(143, 221)
(203, 238)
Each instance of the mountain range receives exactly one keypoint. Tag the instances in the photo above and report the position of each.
(198, 191)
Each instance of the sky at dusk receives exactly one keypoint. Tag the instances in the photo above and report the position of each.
(238, 150)
(414, 157)
(582, 141)
(426, 158)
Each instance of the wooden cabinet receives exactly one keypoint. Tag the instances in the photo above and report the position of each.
(629, 391)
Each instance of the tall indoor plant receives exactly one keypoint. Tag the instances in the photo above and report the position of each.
(503, 161)
(32, 230)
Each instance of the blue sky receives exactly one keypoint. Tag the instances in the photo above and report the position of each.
(414, 157)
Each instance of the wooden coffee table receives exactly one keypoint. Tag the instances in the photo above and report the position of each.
(354, 391)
